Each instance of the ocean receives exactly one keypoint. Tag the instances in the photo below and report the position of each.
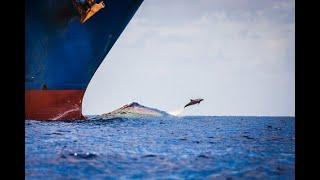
(191, 147)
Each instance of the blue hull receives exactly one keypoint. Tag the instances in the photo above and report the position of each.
(61, 53)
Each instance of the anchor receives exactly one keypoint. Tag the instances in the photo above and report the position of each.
(87, 8)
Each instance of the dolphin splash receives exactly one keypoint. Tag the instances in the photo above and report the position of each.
(177, 112)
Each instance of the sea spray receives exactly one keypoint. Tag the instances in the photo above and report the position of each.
(177, 112)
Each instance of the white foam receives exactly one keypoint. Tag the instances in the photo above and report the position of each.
(177, 112)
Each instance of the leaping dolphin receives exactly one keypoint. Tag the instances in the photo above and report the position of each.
(193, 101)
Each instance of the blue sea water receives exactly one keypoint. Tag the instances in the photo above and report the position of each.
(194, 147)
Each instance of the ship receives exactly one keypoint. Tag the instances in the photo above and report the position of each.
(65, 43)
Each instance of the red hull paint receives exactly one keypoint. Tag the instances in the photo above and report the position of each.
(53, 104)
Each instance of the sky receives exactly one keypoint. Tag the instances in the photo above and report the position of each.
(238, 55)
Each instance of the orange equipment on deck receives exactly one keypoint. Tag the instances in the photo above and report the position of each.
(88, 9)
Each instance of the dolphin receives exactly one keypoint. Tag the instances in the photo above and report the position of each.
(193, 101)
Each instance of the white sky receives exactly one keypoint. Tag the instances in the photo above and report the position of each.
(239, 55)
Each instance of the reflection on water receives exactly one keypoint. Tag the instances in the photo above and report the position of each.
(178, 148)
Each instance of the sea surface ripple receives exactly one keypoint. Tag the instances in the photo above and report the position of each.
(194, 147)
